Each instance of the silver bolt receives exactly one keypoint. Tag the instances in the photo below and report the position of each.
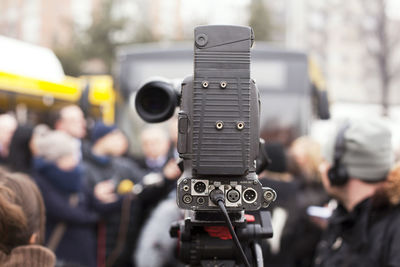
(219, 125)
(240, 125)
(204, 84)
(223, 84)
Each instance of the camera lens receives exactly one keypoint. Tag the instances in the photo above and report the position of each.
(156, 101)
(153, 101)
(199, 187)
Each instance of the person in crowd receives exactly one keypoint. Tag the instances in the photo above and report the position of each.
(285, 216)
(155, 146)
(104, 159)
(305, 158)
(20, 154)
(72, 210)
(22, 223)
(295, 234)
(8, 124)
(363, 230)
(154, 239)
(70, 119)
(22, 147)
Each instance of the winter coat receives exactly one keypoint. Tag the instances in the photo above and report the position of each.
(78, 244)
(29, 255)
(98, 169)
(118, 250)
(367, 236)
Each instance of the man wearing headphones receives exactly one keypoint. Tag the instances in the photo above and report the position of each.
(364, 228)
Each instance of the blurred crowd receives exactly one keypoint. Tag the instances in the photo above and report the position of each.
(96, 197)
(71, 195)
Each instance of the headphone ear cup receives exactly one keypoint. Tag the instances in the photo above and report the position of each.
(338, 175)
(342, 176)
(332, 174)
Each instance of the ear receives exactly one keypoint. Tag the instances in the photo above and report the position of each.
(34, 238)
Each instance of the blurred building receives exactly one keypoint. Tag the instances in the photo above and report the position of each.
(45, 22)
(335, 33)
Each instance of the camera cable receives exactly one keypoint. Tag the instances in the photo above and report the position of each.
(217, 197)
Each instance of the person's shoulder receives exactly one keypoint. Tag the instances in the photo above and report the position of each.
(390, 219)
(394, 214)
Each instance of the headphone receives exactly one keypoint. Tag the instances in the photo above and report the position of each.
(337, 174)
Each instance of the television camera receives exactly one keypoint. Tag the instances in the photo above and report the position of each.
(218, 142)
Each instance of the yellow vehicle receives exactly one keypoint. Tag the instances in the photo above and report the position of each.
(32, 81)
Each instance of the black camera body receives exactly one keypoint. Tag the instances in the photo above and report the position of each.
(218, 123)
(218, 141)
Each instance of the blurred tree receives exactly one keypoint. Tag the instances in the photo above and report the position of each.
(381, 40)
(71, 57)
(93, 50)
(260, 20)
(98, 40)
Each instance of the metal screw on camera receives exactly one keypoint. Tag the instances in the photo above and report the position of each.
(219, 125)
(240, 125)
(204, 84)
(201, 40)
(223, 84)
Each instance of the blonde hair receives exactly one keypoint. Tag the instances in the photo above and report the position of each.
(307, 154)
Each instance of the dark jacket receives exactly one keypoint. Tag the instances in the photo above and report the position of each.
(118, 250)
(367, 236)
(98, 169)
(78, 244)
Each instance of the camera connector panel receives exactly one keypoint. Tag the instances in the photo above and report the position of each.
(238, 195)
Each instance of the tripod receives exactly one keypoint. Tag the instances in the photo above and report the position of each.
(205, 241)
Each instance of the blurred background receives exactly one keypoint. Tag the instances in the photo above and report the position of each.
(76, 65)
(351, 50)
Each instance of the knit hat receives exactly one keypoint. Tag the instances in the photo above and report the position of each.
(55, 144)
(100, 130)
(368, 152)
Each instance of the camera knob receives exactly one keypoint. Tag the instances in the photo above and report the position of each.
(201, 40)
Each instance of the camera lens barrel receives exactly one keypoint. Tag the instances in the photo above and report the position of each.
(156, 101)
